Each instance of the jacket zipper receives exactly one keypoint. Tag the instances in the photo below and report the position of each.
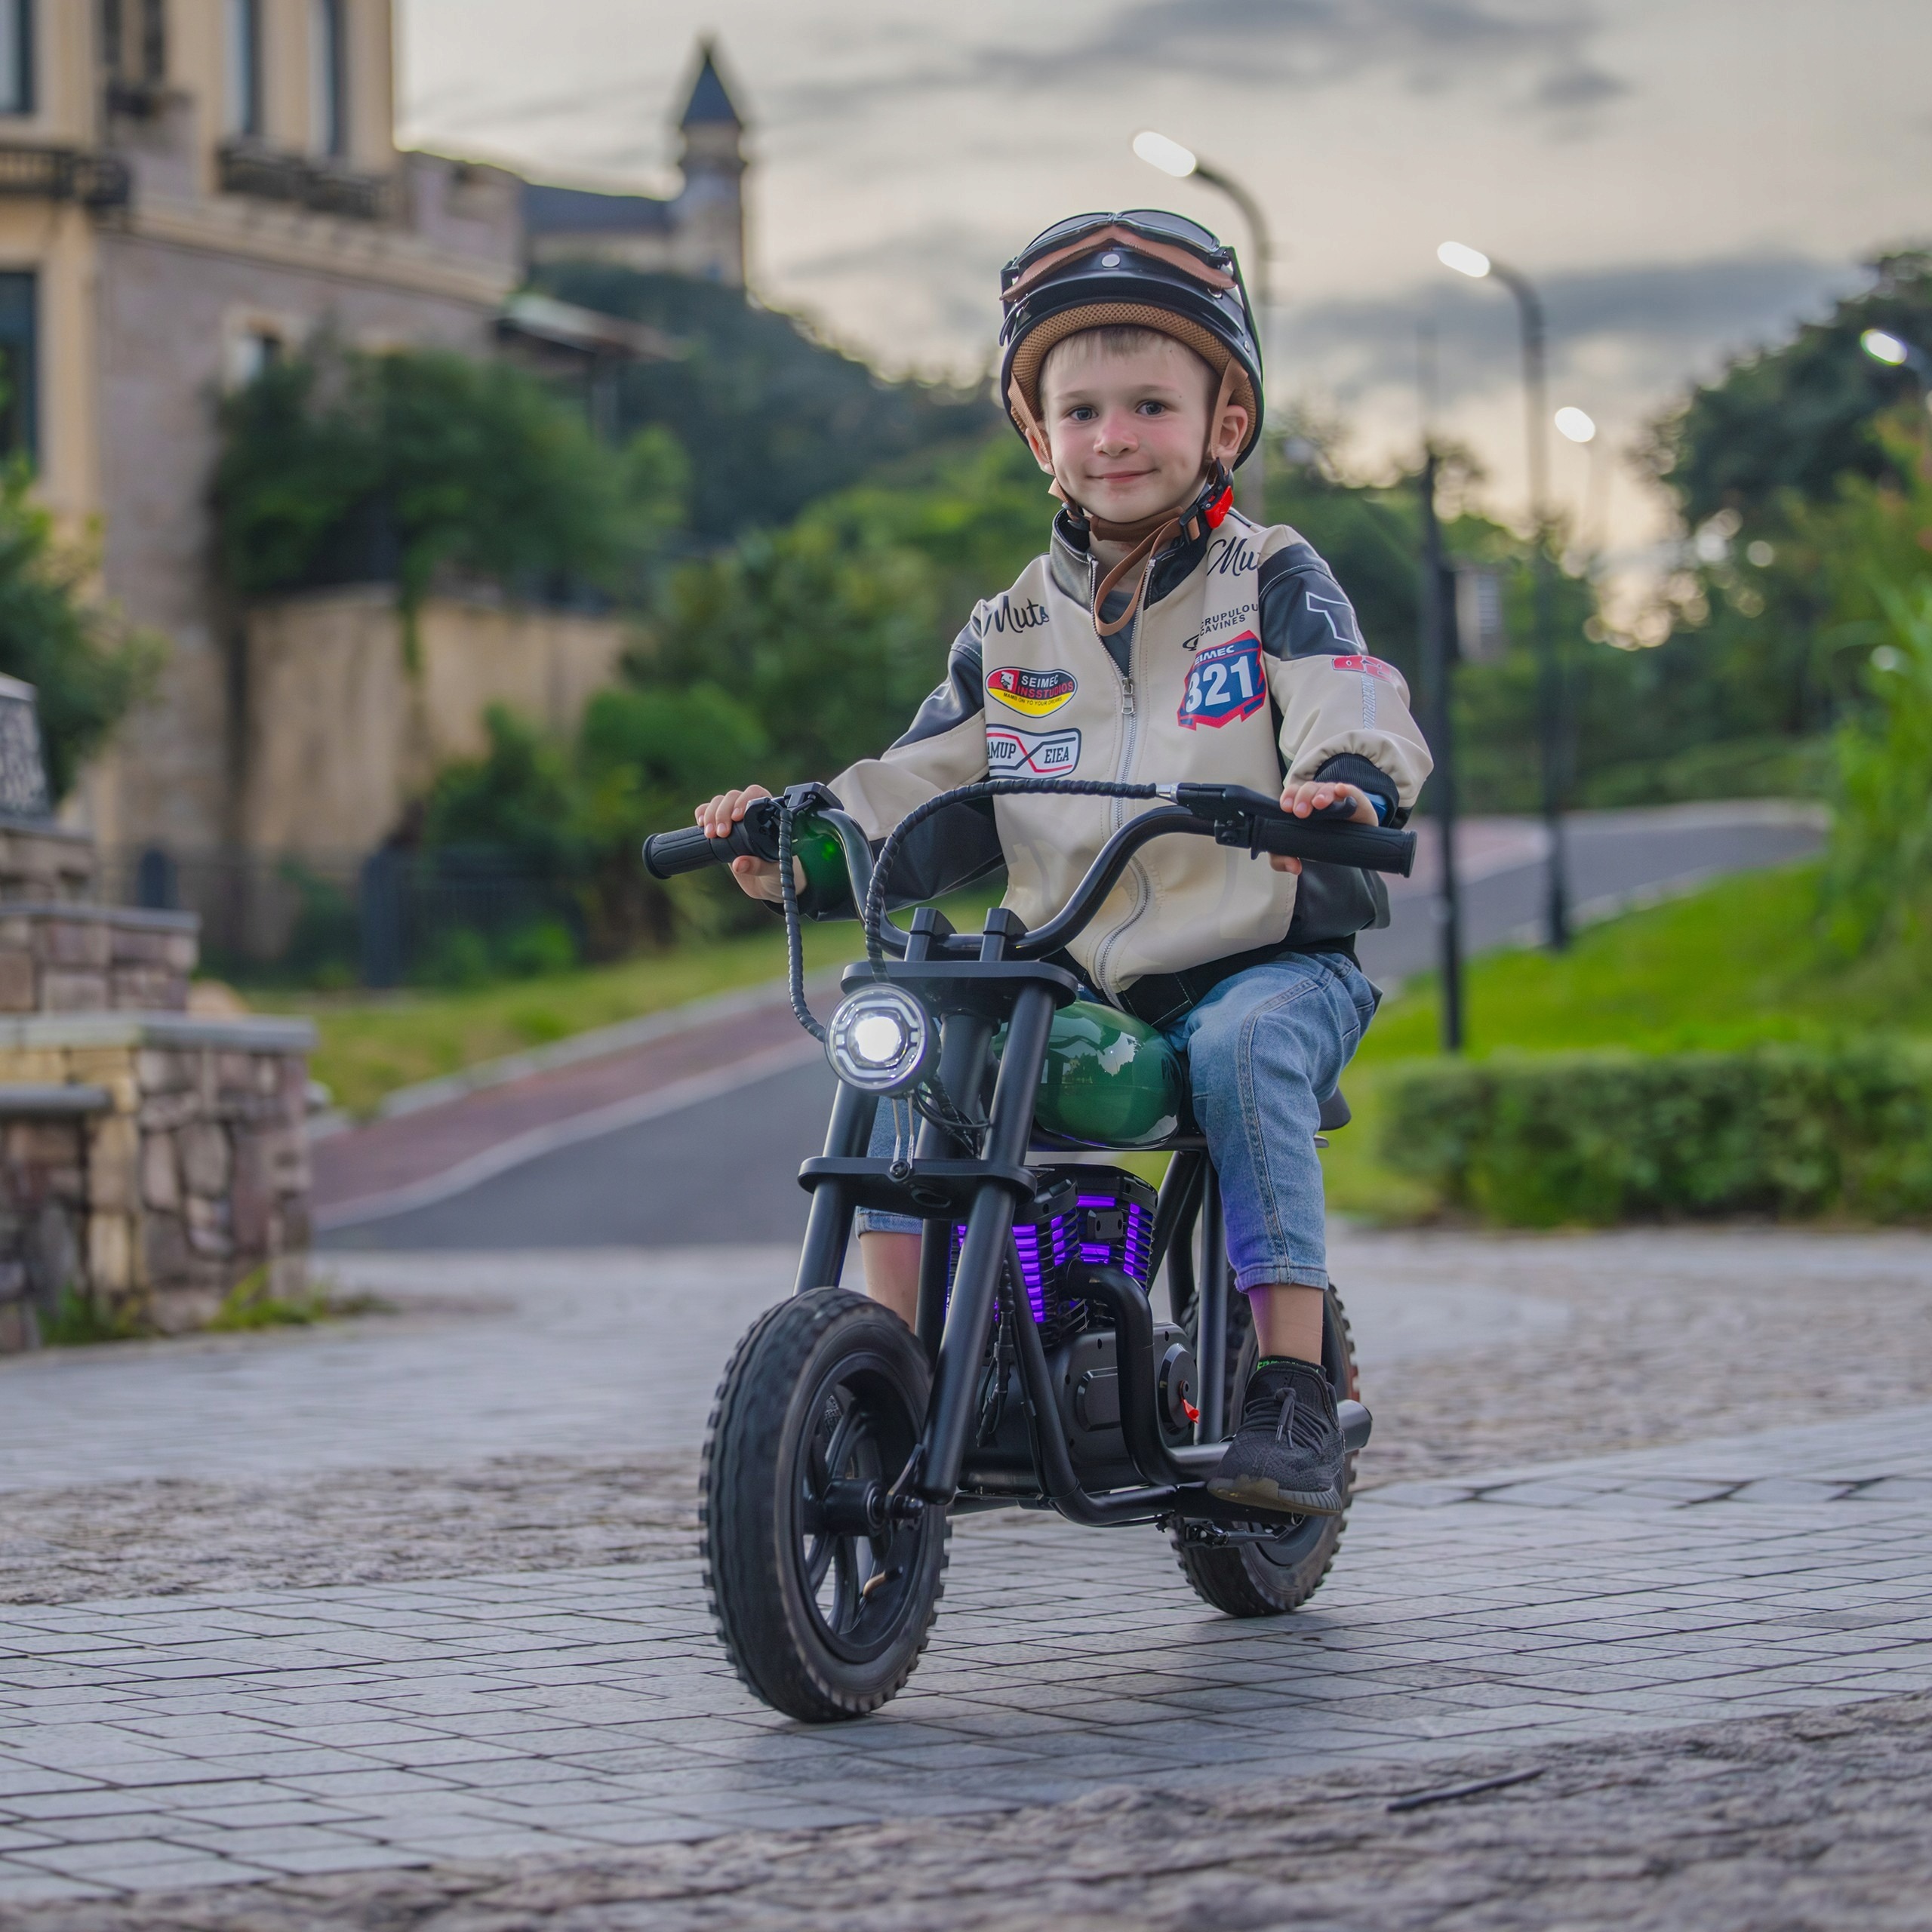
(1122, 775)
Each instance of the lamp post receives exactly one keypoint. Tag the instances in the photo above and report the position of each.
(1577, 425)
(1183, 164)
(1473, 262)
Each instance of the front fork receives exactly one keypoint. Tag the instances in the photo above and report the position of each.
(960, 1338)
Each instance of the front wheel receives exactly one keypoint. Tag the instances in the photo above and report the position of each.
(823, 1595)
(1282, 1569)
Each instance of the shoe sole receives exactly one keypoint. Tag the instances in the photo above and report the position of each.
(1258, 1492)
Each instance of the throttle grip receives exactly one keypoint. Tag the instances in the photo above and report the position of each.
(1373, 848)
(668, 854)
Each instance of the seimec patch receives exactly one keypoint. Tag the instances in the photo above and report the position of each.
(1036, 692)
(1012, 753)
(1225, 682)
(1369, 667)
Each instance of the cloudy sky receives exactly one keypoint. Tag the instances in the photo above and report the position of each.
(1682, 177)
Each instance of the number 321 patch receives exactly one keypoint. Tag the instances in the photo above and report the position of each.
(1224, 682)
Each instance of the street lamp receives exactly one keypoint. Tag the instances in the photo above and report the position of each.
(1897, 353)
(1578, 426)
(1183, 164)
(1474, 264)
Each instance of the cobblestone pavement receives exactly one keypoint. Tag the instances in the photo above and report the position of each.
(551, 1419)
(1808, 1824)
(434, 1603)
(183, 1741)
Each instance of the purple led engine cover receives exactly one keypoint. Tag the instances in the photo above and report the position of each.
(1110, 1225)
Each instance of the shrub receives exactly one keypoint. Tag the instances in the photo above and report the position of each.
(1878, 878)
(1601, 1137)
(86, 669)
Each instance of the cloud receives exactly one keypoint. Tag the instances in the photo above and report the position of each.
(1427, 45)
(1635, 328)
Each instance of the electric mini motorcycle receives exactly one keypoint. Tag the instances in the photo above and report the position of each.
(841, 1442)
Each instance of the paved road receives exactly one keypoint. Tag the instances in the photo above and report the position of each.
(723, 1170)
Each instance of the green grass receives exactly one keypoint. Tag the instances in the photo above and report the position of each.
(369, 1044)
(1726, 968)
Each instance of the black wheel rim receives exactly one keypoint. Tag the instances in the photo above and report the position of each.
(859, 1588)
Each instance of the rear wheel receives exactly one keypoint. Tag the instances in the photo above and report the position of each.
(823, 1595)
(1279, 1573)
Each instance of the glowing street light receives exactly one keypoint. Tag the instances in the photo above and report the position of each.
(1170, 157)
(1464, 260)
(1162, 152)
(1576, 426)
(1883, 346)
(1477, 266)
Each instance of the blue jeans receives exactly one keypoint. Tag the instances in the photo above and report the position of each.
(1264, 1050)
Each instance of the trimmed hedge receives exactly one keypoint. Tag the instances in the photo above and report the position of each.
(1601, 1137)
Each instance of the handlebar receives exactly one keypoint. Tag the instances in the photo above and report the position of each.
(1234, 814)
(830, 843)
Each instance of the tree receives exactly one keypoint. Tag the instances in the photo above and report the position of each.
(1792, 420)
(776, 418)
(86, 668)
(339, 466)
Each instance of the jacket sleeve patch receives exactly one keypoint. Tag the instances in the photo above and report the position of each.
(1373, 667)
(1225, 682)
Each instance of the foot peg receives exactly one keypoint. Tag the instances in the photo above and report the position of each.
(1356, 1423)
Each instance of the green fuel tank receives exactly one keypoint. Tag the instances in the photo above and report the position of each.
(1109, 1080)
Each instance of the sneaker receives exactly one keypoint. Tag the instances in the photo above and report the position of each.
(1287, 1454)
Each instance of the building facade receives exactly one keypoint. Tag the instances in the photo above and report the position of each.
(189, 189)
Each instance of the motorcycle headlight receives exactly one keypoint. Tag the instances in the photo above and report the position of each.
(880, 1041)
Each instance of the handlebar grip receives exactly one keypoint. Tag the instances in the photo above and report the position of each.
(1373, 848)
(668, 854)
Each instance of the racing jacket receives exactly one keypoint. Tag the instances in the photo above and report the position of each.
(1244, 663)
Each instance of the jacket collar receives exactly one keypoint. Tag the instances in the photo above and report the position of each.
(1076, 573)
(1070, 560)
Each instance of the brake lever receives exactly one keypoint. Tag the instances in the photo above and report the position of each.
(1228, 806)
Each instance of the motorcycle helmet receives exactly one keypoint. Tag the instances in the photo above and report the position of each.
(1144, 268)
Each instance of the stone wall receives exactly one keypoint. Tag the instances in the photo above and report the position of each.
(195, 1171)
(42, 862)
(43, 1202)
(72, 958)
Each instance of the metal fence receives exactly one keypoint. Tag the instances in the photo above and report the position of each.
(383, 918)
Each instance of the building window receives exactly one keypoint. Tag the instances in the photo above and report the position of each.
(252, 350)
(19, 374)
(134, 39)
(329, 77)
(16, 57)
(244, 68)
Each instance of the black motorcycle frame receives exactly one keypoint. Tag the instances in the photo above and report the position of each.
(973, 984)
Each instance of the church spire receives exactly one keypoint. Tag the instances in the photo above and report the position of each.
(710, 104)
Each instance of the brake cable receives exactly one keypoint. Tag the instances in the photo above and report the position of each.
(794, 937)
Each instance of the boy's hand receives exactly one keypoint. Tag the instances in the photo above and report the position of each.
(758, 878)
(1308, 798)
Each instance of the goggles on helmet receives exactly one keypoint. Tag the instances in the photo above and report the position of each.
(1182, 244)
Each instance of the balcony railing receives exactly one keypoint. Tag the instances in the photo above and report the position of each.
(270, 175)
(63, 174)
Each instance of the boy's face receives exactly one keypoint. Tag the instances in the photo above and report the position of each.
(1127, 431)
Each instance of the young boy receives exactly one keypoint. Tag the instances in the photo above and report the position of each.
(1164, 637)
